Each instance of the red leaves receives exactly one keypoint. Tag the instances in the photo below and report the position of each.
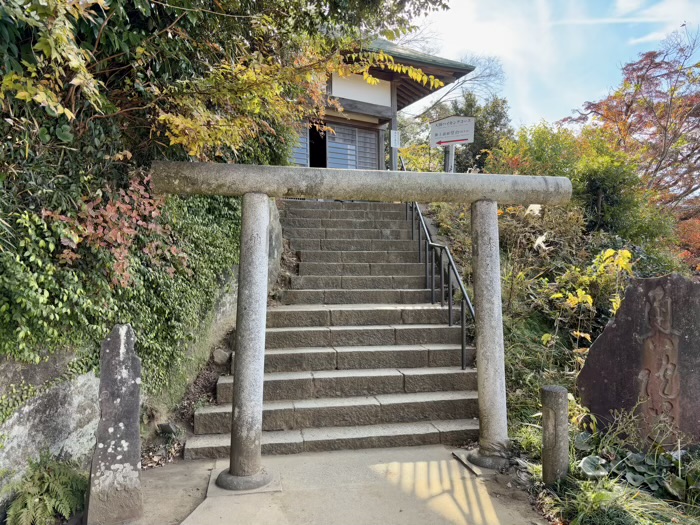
(654, 116)
(68, 257)
(115, 221)
(689, 236)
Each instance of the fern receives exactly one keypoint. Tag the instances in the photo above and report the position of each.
(50, 489)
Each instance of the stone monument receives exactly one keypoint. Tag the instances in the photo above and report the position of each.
(115, 484)
(648, 358)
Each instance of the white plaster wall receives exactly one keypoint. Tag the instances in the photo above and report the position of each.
(356, 88)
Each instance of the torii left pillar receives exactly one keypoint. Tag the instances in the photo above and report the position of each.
(245, 471)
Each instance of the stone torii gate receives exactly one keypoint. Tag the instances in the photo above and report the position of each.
(258, 183)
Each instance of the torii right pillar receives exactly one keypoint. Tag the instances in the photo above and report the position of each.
(494, 445)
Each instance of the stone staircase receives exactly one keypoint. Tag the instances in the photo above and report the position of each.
(356, 356)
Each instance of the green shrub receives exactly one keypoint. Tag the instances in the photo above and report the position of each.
(50, 489)
(608, 188)
(580, 301)
(41, 300)
(606, 502)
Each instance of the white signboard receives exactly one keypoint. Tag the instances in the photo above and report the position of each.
(395, 139)
(452, 130)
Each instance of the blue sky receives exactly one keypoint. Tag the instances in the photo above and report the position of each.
(557, 54)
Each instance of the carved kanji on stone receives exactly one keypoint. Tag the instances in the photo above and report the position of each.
(648, 359)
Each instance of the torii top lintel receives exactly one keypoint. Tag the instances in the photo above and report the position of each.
(192, 178)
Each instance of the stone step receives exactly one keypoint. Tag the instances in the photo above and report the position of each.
(348, 383)
(369, 215)
(349, 269)
(354, 282)
(376, 335)
(338, 296)
(346, 411)
(359, 257)
(355, 233)
(453, 432)
(363, 357)
(338, 205)
(340, 224)
(356, 315)
(355, 245)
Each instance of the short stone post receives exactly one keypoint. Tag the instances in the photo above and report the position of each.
(115, 483)
(245, 471)
(555, 434)
(494, 445)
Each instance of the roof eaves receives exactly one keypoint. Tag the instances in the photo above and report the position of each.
(419, 58)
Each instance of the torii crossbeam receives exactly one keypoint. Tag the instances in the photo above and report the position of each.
(257, 183)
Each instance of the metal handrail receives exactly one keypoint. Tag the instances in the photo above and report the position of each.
(427, 254)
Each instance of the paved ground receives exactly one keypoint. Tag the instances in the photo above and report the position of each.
(172, 492)
(406, 486)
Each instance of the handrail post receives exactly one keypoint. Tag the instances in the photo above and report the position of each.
(413, 221)
(449, 293)
(427, 269)
(463, 322)
(442, 278)
(420, 248)
(494, 446)
(432, 275)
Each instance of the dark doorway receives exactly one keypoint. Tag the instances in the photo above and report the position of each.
(317, 148)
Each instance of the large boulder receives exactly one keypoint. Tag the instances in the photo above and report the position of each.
(648, 358)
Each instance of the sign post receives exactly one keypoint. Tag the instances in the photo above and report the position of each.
(450, 158)
(449, 132)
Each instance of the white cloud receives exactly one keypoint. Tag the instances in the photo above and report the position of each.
(670, 14)
(654, 36)
(554, 51)
(606, 21)
(624, 7)
(519, 33)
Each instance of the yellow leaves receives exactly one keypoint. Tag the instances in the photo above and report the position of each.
(28, 90)
(580, 299)
(58, 57)
(40, 98)
(415, 74)
(614, 261)
(121, 156)
(547, 339)
(252, 99)
(581, 335)
(372, 81)
(580, 355)
(624, 261)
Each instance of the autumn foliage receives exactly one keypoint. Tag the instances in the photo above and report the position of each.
(654, 116)
(91, 92)
(114, 221)
(689, 233)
